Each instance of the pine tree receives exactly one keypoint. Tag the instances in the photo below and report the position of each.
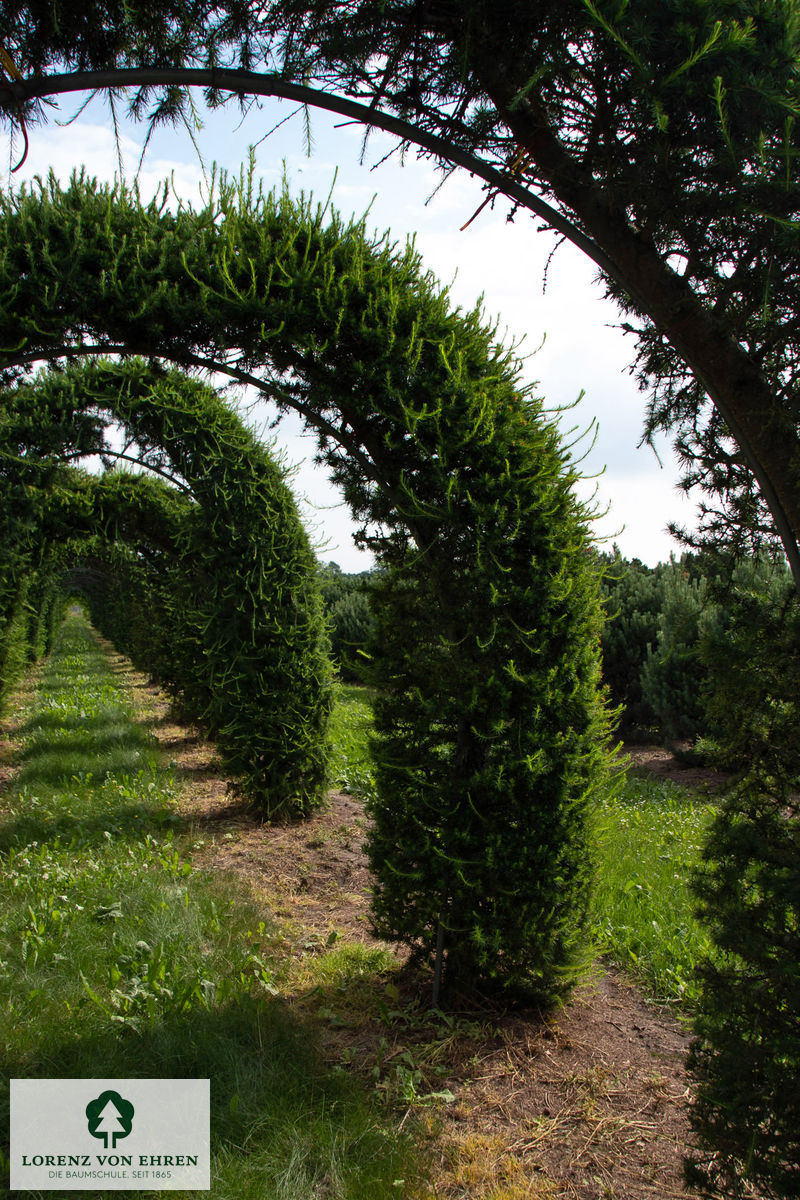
(634, 596)
(752, 664)
(745, 1057)
(673, 676)
(350, 620)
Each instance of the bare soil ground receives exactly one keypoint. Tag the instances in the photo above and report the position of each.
(585, 1103)
(663, 764)
(588, 1102)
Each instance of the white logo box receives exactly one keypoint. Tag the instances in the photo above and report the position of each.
(138, 1134)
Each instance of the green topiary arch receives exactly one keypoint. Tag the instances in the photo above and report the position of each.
(233, 604)
(491, 730)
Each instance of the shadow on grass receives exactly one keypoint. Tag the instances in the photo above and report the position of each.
(55, 768)
(94, 779)
(285, 1126)
(133, 822)
(282, 1123)
(52, 720)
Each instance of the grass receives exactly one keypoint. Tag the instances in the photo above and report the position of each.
(118, 960)
(351, 726)
(648, 839)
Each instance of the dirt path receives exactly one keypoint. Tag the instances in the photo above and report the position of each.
(586, 1103)
(661, 763)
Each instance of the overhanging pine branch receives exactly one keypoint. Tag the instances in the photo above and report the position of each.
(256, 84)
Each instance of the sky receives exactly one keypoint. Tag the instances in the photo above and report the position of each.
(569, 333)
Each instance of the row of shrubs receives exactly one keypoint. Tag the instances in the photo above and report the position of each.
(31, 609)
(702, 652)
(696, 653)
(692, 646)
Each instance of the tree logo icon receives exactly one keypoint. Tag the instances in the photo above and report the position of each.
(110, 1117)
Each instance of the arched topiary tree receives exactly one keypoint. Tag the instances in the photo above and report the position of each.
(490, 726)
(30, 609)
(122, 534)
(249, 650)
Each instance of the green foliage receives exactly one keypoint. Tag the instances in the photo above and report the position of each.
(729, 637)
(222, 600)
(634, 596)
(673, 676)
(45, 606)
(28, 605)
(647, 838)
(745, 1058)
(488, 731)
(490, 726)
(134, 597)
(350, 618)
(667, 133)
(746, 1054)
(661, 138)
(664, 134)
(31, 607)
(751, 654)
(704, 649)
(14, 644)
(352, 627)
(122, 31)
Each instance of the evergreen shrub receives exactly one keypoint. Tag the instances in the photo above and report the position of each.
(745, 1056)
(673, 677)
(634, 596)
(14, 637)
(750, 655)
(351, 623)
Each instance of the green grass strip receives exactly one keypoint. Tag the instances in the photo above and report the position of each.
(649, 841)
(117, 960)
(352, 726)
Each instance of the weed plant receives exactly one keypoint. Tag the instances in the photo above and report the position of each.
(118, 960)
(649, 840)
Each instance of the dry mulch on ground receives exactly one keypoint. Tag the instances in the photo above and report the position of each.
(585, 1103)
(588, 1102)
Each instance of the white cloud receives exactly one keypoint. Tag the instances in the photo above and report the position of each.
(94, 148)
(648, 502)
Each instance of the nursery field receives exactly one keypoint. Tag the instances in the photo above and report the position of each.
(152, 927)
